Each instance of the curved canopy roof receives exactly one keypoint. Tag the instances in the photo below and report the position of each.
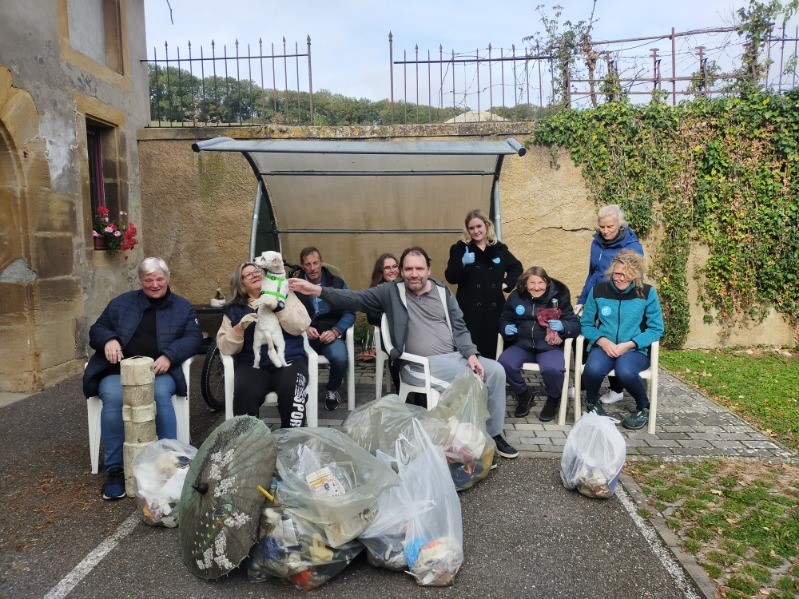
(356, 199)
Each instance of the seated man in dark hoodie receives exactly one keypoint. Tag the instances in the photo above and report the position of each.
(328, 324)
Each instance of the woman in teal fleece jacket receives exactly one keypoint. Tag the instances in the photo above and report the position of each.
(621, 319)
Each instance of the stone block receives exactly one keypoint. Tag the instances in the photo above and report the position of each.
(53, 254)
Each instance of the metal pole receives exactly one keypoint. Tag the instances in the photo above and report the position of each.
(310, 80)
(405, 86)
(391, 71)
(673, 68)
(417, 81)
(297, 75)
(477, 54)
(429, 91)
(540, 80)
(490, 82)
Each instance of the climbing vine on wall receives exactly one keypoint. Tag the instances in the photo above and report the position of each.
(721, 172)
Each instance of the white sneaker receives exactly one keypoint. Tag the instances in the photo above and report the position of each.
(571, 391)
(611, 397)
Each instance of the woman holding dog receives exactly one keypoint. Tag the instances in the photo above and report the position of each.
(152, 321)
(235, 338)
(483, 269)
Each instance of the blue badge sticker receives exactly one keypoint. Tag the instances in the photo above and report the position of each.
(520, 310)
(495, 261)
(606, 310)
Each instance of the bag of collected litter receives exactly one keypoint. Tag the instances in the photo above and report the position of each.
(593, 456)
(378, 424)
(294, 550)
(433, 543)
(159, 472)
(469, 449)
(385, 534)
(326, 478)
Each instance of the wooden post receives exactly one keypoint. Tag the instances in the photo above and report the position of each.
(138, 412)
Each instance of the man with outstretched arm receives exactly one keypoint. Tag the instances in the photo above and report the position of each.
(424, 319)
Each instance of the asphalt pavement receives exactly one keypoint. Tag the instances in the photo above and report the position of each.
(525, 535)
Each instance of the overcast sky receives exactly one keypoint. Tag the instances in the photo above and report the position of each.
(350, 37)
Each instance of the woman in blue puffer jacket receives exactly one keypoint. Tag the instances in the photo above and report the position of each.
(528, 341)
(613, 235)
(621, 319)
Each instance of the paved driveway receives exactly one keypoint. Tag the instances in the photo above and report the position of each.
(524, 534)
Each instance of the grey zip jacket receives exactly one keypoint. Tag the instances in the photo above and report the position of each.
(390, 298)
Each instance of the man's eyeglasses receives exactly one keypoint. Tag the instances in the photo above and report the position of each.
(250, 274)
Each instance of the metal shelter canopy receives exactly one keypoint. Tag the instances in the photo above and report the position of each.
(386, 195)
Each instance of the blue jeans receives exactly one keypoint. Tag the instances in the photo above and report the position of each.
(112, 430)
(627, 367)
(336, 354)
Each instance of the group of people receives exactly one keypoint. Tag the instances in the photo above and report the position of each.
(617, 313)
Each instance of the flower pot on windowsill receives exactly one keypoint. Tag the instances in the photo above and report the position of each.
(100, 244)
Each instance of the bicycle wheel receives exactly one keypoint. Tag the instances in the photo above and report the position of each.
(213, 379)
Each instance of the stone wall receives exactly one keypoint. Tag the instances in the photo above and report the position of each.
(197, 211)
(53, 285)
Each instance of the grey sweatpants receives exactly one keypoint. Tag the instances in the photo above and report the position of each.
(443, 370)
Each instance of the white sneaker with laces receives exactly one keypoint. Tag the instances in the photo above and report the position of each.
(611, 397)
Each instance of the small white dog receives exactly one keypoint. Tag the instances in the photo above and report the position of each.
(274, 290)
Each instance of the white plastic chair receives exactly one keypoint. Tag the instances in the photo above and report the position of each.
(381, 359)
(405, 388)
(650, 375)
(534, 367)
(94, 407)
(314, 361)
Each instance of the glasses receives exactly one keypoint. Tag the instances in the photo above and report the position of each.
(391, 267)
(619, 275)
(251, 274)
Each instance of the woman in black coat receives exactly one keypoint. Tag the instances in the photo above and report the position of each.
(526, 340)
(483, 268)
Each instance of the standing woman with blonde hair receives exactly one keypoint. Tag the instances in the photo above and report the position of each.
(483, 268)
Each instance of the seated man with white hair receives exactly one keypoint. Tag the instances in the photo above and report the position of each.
(424, 319)
(151, 321)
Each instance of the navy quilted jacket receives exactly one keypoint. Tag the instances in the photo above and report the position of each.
(179, 334)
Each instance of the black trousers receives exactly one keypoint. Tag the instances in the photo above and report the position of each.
(290, 383)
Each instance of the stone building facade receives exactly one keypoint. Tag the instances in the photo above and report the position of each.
(71, 80)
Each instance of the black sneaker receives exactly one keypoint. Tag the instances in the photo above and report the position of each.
(524, 401)
(332, 399)
(114, 487)
(550, 409)
(505, 449)
(596, 409)
(636, 420)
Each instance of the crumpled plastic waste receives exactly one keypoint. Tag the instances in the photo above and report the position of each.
(593, 456)
(159, 472)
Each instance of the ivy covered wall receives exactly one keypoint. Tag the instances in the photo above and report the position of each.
(718, 172)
